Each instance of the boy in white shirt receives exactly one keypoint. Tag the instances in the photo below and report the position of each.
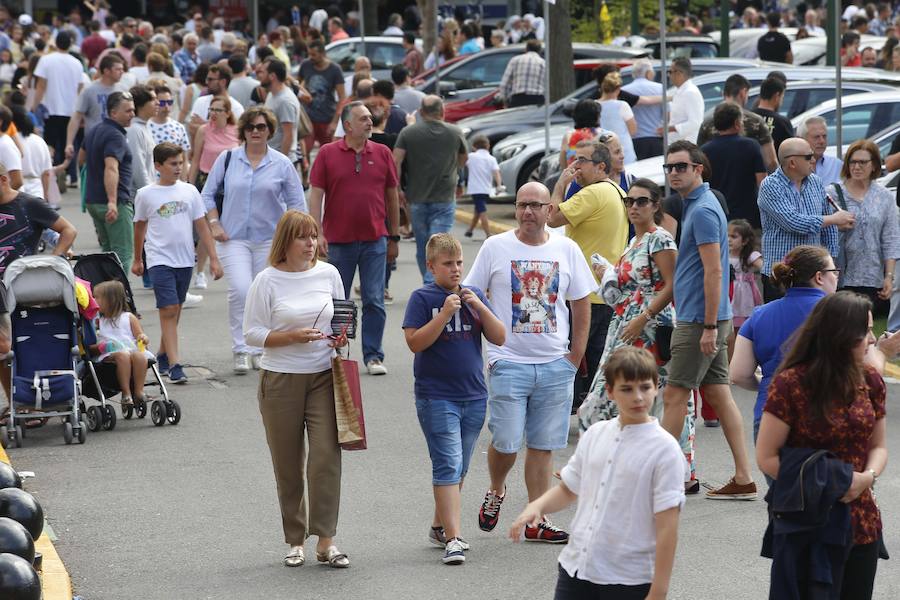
(627, 477)
(164, 212)
(483, 172)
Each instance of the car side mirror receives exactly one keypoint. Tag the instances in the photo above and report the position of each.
(568, 108)
(447, 88)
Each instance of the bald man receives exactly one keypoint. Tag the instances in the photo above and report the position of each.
(529, 275)
(431, 152)
(361, 64)
(794, 210)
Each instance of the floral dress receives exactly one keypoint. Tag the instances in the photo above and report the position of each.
(638, 281)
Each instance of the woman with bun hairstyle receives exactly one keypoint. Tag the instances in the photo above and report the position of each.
(808, 274)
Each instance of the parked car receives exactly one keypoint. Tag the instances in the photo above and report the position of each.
(383, 51)
(678, 44)
(476, 75)
(501, 123)
(742, 42)
(812, 51)
(863, 115)
(800, 96)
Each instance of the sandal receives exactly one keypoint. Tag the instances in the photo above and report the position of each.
(127, 402)
(295, 558)
(334, 557)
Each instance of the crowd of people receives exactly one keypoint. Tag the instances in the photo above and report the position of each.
(199, 148)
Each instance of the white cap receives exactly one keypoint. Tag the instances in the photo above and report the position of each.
(25, 20)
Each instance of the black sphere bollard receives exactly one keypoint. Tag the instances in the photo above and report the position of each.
(21, 506)
(18, 580)
(15, 539)
(9, 478)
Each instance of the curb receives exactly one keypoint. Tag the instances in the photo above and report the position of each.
(55, 581)
(465, 217)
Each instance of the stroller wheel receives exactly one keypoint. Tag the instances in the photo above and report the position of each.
(94, 418)
(173, 412)
(158, 413)
(4, 435)
(109, 417)
(140, 407)
(68, 433)
(82, 432)
(20, 434)
(127, 411)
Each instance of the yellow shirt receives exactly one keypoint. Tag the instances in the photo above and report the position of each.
(597, 222)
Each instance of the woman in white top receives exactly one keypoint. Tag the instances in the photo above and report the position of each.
(37, 165)
(288, 313)
(616, 115)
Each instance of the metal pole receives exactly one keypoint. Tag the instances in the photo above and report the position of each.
(835, 42)
(362, 29)
(832, 31)
(254, 16)
(635, 17)
(665, 81)
(546, 40)
(725, 28)
(437, 58)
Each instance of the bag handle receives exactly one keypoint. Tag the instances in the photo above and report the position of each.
(220, 198)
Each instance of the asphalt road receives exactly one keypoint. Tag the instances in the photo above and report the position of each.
(190, 511)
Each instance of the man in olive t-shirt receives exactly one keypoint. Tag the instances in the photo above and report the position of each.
(434, 153)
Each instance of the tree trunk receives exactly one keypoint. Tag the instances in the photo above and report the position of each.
(428, 8)
(559, 39)
(370, 13)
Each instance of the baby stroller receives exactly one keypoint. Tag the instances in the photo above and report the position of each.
(43, 364)
(99, 380)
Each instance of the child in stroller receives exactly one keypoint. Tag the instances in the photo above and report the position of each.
(121, 340)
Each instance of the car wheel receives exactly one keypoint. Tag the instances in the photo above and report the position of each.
(529, 172)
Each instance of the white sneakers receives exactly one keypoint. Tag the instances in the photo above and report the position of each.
(241, 363)
(200, 281)
(376, 367)
(192, 300)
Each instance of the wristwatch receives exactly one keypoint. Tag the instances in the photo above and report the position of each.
(874, 477)
(393, 238)
(708, 326)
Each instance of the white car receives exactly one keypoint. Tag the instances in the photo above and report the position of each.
(863, 115)
(812, 50)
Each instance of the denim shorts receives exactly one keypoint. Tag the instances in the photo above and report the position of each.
(530, 401)
(170, 284)
(451, 429)
(480, 201)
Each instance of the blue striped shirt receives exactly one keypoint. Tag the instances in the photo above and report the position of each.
(792, 217)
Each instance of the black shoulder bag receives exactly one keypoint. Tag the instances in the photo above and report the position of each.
(663, 332)
(220, 191)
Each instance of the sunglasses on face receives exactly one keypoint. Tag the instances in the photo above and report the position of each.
(640, 201)
(680, 167)
(859, 163)
(806, 157)
(170, 103)
(260, 127)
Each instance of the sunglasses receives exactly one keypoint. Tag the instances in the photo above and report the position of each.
(680, 167)
(534, 206)
(169, 103)
(806, 157)
(260, 127)
(640, 201)
(859, 163)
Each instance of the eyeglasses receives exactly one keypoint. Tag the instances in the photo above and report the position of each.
(837, 272)
(170, 103)
(212, 110)
(534, 206)
(859, 163)
(806, 157)
(582, 159)
(260, 127)
(640, 201)
(678, 167)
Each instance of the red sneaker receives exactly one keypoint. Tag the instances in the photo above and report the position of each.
(490, 510)
(546, 532)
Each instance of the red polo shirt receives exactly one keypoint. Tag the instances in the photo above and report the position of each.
(354, 190)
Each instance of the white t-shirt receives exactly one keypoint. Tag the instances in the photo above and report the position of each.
(10, 157)
(141, 73)
(281, 301)
(623, 476)
(63, 74)
(528, 287)
(35, 161)
(201, 107)
(170, 212)
(481, 172)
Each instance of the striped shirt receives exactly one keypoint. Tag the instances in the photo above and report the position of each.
(523, 75)
(792, 217)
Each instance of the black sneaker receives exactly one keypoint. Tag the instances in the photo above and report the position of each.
(176, 374)
(468, 234)
(162, 363)
(490, 510)
(546, 532)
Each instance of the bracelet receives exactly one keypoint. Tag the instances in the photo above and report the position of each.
(211, 221)
(874, 476)
(891, 275)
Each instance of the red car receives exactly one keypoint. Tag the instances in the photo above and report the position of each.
(584, 69)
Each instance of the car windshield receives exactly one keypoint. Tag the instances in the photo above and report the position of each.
(698, 49)
(381, 55)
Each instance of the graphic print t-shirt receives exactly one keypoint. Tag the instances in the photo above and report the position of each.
(321, 85)
(22, 222)
(529, 286)
(170, 212)
(452, 367)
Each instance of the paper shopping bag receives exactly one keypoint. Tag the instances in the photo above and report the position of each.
(351, 425)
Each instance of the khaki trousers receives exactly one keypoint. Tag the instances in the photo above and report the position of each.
(287, 403)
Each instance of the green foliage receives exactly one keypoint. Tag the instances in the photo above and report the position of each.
(586, 25)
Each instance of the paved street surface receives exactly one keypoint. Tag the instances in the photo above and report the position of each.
(190, 511)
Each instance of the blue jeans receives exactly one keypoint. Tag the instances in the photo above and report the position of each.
(451, 429)
(429, 218)
(371, 258)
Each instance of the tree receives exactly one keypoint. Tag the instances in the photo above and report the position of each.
(558, 37)
(428, 8)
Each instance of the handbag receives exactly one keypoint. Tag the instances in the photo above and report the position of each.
(663, 330)
(220, 191)
(304, 124)
(351, 423)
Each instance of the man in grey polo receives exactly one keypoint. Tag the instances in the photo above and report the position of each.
(434, 151)
(647, 143)
(704, 315)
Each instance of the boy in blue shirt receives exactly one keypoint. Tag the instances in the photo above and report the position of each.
(443, 326)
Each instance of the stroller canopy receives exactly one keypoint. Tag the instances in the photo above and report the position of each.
(40, 280)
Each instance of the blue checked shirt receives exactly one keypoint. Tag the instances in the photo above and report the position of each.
(185, 64)
(791, 217)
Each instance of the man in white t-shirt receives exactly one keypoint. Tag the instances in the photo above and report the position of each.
(530, 275)
(59, 81)
(217, 81)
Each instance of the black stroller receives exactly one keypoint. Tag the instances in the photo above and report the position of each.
(99, 378)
